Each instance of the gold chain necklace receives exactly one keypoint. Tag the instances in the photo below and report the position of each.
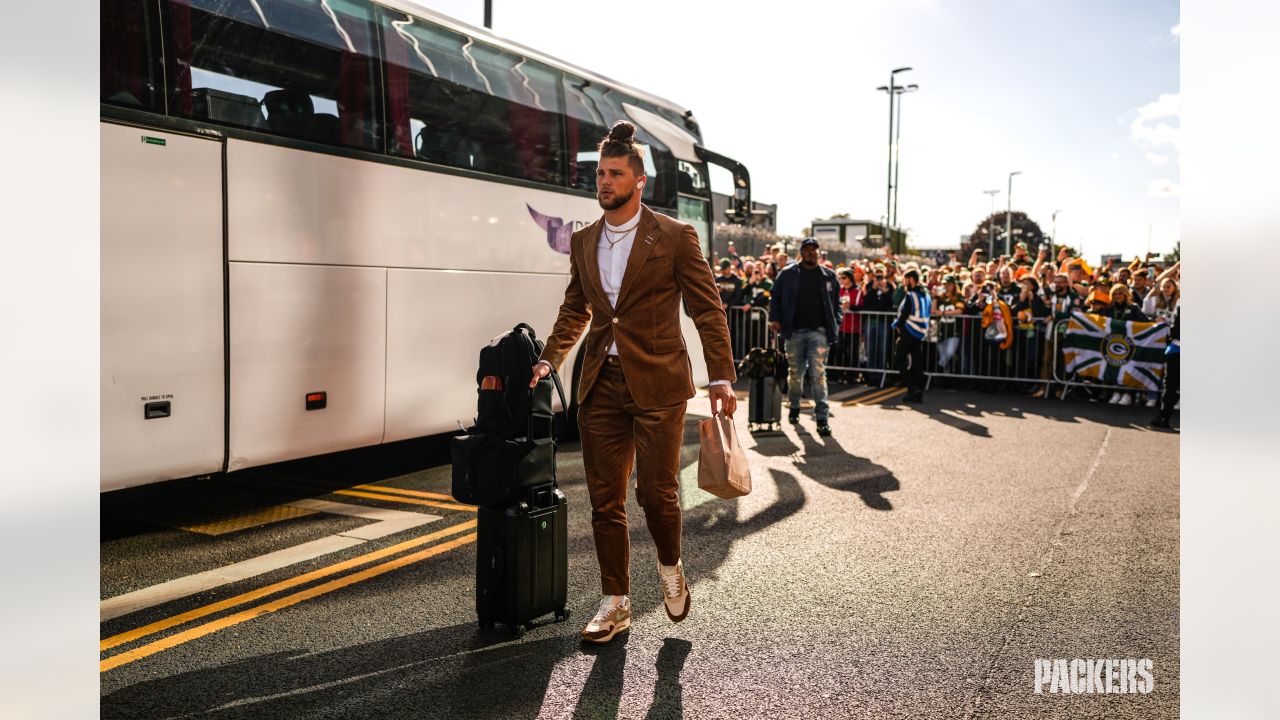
(623, 231)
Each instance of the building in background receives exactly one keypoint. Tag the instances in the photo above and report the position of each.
(856, 235)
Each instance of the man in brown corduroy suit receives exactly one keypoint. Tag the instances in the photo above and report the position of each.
(628, 273)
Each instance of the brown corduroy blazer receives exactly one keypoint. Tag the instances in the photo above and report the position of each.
(666, 263)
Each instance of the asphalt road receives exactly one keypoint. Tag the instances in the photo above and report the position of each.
(914, 565)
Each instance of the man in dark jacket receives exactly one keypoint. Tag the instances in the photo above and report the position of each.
(805, 311)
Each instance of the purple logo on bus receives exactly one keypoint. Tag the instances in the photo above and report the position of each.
(559, 232)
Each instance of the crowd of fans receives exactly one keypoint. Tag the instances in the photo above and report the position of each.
(1015, 300)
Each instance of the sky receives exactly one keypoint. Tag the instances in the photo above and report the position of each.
(1082, 97)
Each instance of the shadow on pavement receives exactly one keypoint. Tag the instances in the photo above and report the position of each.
(451, 672)
(979, 405)
(602, 693)
(668, 693)
(773, 444)
(826, 462)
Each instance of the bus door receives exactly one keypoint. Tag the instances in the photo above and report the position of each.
(163, 383)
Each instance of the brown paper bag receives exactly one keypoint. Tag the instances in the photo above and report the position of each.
(723, 470)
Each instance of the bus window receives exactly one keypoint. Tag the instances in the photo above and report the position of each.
(590, 111)
(693, 178)
(696, 213)
(454, 101)
(300, 68)
(130, 59)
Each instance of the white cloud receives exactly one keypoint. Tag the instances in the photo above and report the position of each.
(1163, 187)
(1159, 124)
(1176, 32)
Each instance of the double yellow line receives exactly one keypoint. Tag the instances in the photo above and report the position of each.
(876, 396)
(213, 626)
(410, 497)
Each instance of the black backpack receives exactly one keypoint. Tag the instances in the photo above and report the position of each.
(511, 448)
(762, 363)
(514, 410)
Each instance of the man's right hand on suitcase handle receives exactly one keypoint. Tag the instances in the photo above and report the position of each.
(541, 369)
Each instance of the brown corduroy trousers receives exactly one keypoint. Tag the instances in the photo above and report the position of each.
(615, 433)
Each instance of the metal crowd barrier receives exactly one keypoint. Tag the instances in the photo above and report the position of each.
(749, 328)
(956, 348)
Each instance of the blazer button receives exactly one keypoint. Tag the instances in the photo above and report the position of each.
(615, 321)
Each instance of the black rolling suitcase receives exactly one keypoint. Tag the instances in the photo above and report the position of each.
(764, 405)
(522, 561)
(766, 369)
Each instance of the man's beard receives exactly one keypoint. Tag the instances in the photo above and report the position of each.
(618, 200)
(1060, 291)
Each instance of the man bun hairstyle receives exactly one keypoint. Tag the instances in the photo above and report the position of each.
(621, 143)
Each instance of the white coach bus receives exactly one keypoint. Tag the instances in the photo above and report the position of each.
(315, 213)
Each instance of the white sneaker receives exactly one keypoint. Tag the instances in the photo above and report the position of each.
(611, 619)
(1115, 399)
(675, 592)
(1126, 399)
(1152, 402)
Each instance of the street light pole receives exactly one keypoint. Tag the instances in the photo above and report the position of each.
(488, 14)
(897, 152)
(991, 223)
(1008, 215)
(888, 197)
(1054, 239)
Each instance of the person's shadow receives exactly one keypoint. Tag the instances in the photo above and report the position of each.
(826, 462)
(668, 693)
(602, 692)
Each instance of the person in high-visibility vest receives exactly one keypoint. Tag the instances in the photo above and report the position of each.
(913, 326)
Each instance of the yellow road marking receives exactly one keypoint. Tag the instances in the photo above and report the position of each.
(403, 491)
(281, 603)
(252, 595)
(889, 396)
(406, 500)
(255, 518)
(873, 397)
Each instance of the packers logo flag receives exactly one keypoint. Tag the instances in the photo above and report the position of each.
(1115, 352)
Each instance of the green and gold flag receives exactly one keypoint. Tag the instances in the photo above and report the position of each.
(1115, 352)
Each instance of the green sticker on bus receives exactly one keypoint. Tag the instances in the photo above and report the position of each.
(148, 140)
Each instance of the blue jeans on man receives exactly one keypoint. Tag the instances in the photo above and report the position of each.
(807, 352)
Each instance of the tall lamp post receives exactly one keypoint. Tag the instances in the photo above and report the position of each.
(897, 153)
(1008, 215)
(1054, 239)
(892, 89)
(991, 223)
